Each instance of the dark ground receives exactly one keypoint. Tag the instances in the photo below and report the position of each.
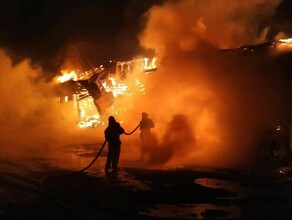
(136, 193)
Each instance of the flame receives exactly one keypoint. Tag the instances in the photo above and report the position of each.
(143, 64)
(72, 75)
(149, 65)
(87, 113)
(284, 44)
(90, 122)
(116, 88)
(289, 41)
(128, 80)
(111, 85)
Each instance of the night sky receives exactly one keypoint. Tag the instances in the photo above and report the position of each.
(39, 29)
(42, 29)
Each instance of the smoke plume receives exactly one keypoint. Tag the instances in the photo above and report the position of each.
(210, 107)
(223, 24)
(224, 101)
(30, 118)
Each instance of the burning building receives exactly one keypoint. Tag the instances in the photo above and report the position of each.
(228, 97)
(243, 108)
(91, 93)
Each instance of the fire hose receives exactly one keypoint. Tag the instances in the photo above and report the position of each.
(92, 162)
(42, 185)
(59, 201)
(98, 154)
(132, 131)
(104, 143)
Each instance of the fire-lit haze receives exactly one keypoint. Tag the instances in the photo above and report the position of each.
(211, 106)
(31, 121)
(226, 102)
(223, 24)
(24, 99)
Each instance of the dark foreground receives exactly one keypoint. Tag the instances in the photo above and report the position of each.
(147, 194)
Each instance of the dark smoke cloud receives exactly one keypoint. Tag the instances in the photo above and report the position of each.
(178, 140)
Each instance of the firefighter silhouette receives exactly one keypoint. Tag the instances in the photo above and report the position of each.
(112, 135)
(148, 139)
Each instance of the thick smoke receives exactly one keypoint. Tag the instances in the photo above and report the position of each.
(20, 92)
(227, 101)
(210, 107)
(223, 24)
(178, 141)
(30, 119)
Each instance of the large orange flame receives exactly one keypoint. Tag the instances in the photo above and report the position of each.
(67, 75)
(284, 44)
